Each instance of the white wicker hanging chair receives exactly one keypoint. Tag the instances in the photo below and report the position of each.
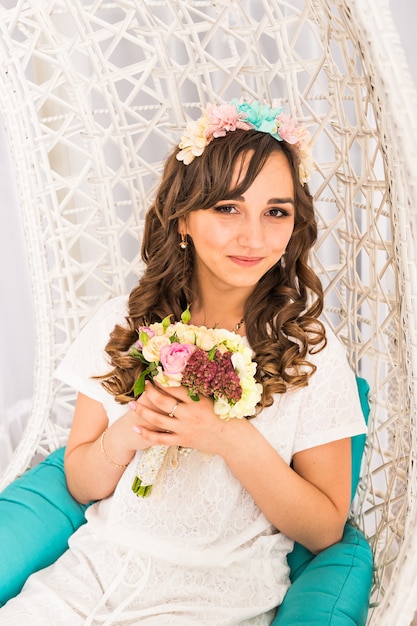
(93, 95)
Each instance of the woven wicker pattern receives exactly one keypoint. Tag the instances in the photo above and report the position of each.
(94, 95)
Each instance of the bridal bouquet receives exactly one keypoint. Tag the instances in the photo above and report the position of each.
(210, 361)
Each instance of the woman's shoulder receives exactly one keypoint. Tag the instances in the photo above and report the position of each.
(86, 357)
(333, 341)
(116, 307)
(322, 328)
(111, 312)
(331, 361)
(95, 333)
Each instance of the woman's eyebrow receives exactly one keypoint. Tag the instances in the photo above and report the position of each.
(281, 201)
(270, 201)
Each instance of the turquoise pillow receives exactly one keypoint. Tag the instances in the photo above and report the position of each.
(358, 442)
(334, 588)
(37, 516)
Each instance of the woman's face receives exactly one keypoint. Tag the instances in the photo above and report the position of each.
(237, 241)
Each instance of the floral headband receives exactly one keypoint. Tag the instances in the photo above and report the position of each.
(217, 120)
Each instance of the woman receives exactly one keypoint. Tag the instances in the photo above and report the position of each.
(228, 236)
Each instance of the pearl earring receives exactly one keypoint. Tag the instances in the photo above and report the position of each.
(183, 242)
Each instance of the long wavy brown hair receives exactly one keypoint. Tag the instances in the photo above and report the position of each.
(282, 312)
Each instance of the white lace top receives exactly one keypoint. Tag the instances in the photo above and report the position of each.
(199, 515)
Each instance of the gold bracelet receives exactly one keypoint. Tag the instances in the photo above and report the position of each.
(106, 456)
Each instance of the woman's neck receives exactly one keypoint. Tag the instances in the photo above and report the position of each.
(216, 305)
(222, 314)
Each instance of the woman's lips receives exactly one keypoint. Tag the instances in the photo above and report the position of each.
(245, 261)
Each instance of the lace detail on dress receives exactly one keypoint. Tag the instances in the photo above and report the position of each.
(101, 583)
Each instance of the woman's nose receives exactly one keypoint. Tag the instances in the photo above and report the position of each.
(251, 234)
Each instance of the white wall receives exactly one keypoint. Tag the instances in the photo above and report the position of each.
(405, 17)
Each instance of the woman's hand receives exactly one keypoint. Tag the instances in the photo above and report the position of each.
(94, 463)
(168, 416)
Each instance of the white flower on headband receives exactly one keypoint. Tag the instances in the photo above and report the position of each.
(217, 120)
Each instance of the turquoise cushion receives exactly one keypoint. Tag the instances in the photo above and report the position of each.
(334, 588)
(358, 442)
(37, 516)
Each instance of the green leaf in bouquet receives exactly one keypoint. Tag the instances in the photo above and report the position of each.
(186, 315)
(143, 337)
(139, 386)
(138, 355)
(212, 353)
(166, 322)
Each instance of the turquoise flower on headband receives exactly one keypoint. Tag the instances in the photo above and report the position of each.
(262, 116)
(217, 120)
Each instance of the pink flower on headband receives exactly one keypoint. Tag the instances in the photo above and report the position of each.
(287, 128)
(299, 137)
(222, 119)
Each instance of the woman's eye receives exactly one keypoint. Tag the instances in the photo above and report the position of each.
(225, 208)
(277, 213)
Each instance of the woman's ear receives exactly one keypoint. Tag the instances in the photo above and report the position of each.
(182, 226)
